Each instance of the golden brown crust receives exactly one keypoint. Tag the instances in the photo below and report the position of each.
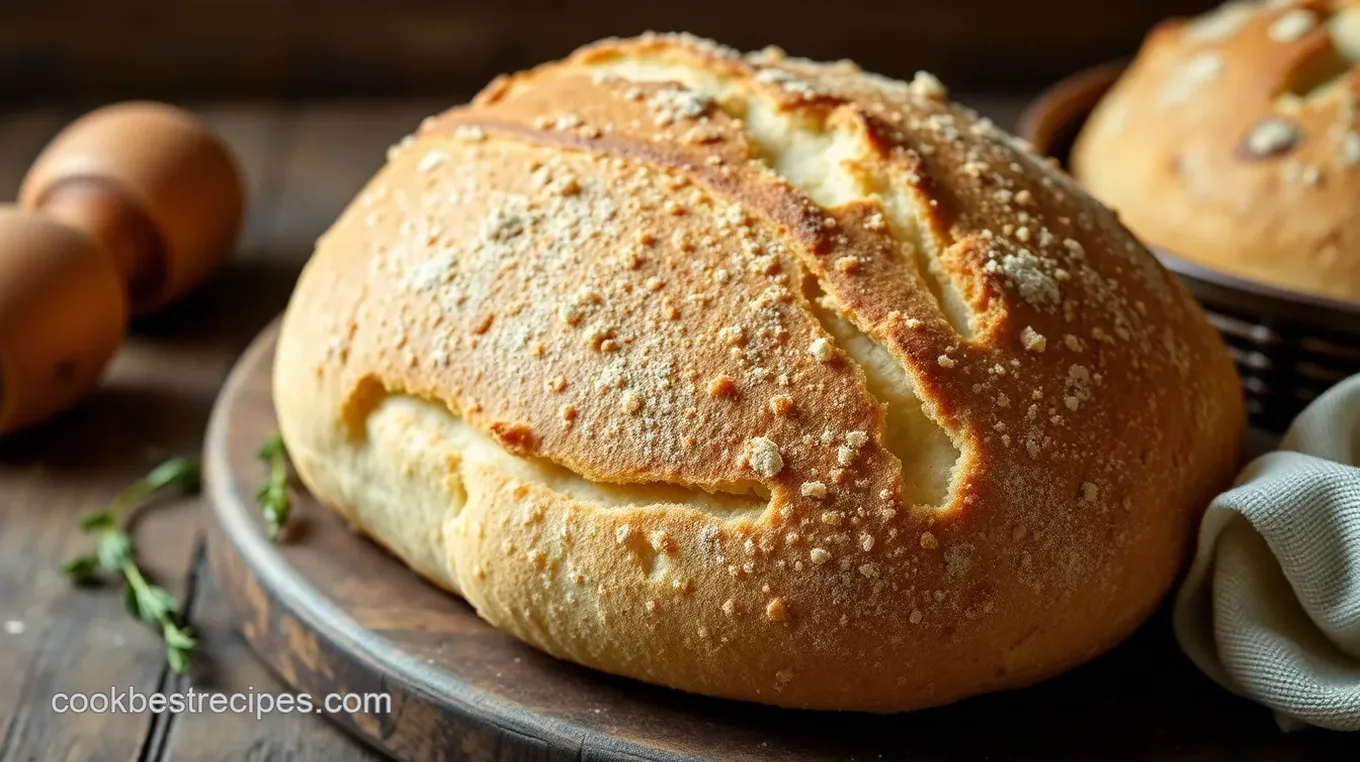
(710, 411)
(1234, 141)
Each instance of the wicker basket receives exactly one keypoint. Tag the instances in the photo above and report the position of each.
(1289, 346)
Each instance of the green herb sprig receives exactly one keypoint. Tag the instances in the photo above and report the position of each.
(115, 552)
(273, 494)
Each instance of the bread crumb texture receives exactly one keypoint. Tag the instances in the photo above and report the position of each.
(1233, 140)
(605, 372)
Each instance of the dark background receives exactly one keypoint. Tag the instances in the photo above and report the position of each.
(289, 85)
(447, 48)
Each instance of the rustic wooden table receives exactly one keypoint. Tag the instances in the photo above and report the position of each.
(303, 162)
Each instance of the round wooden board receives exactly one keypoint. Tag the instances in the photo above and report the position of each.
(330, 611)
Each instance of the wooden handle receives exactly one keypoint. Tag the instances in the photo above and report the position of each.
(151, 186)
(125, 210)
(63, 314)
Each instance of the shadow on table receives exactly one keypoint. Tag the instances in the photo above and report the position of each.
(231, 307)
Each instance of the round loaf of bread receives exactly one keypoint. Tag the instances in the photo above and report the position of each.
(1233, 141)
(758, 378)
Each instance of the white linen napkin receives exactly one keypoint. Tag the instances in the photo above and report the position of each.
(1271, 606)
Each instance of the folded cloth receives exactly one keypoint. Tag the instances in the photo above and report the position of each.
(1271, 606)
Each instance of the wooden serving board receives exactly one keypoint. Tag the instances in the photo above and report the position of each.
(330, 611)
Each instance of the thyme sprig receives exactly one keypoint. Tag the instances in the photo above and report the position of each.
(115, 552)
(273, 494)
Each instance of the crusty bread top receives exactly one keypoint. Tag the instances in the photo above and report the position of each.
(899, 373)
(1234, 141)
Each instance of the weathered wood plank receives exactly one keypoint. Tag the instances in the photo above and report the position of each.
(153, 403)
(230, 667)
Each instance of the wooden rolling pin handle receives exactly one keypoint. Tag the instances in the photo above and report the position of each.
(126, 210)
(150, 184)
(63, 313)
(116, 225)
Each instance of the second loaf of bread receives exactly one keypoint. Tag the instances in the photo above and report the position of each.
(1233, 140)
(758, 378)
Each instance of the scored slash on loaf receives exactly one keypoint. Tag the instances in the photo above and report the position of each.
(758, 378)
